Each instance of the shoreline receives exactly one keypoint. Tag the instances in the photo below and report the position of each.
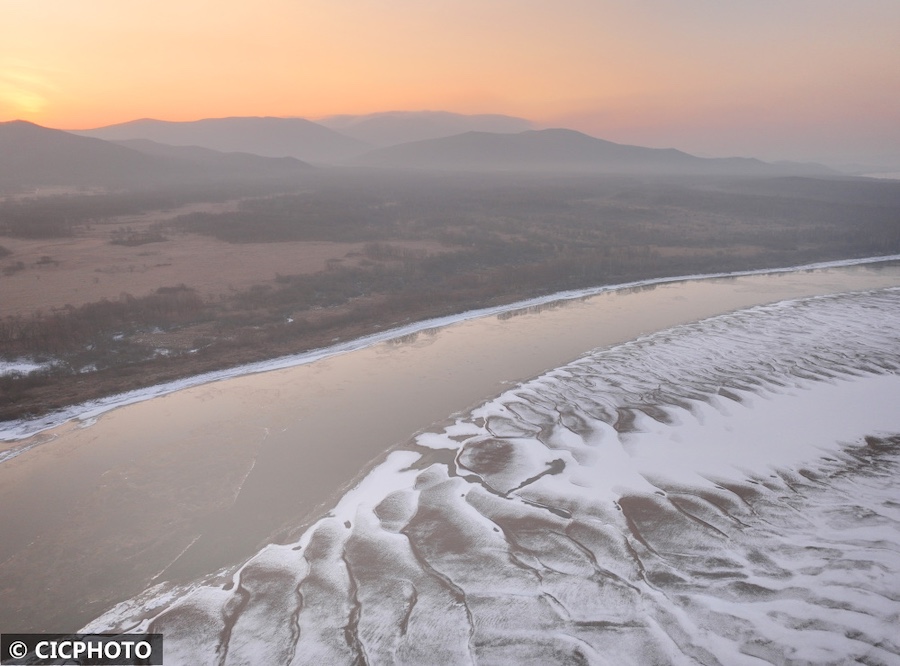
(15, 430)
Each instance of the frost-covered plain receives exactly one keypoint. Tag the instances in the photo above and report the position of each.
(719, 493)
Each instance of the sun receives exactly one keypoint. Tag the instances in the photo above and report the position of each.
(23, 91)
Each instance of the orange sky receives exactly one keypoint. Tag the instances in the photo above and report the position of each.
(816, 79)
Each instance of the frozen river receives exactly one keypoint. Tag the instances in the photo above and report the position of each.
(621, 499)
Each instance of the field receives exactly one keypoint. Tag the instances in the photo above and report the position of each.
(119, 290)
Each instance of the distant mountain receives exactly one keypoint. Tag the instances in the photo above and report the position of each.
(269, 137)
(34, 156)
(31, 155)
(215, 159)
(393, 127)
(563, 150)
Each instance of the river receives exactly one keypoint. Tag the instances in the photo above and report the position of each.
(172, 489)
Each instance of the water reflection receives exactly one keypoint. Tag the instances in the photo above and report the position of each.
(541, 307)
(411, 338)
(641, 288)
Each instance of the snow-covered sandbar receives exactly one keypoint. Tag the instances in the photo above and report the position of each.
(717, 492)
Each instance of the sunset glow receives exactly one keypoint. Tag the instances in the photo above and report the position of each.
(809, 79)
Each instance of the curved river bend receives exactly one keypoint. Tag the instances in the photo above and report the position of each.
(683, 496)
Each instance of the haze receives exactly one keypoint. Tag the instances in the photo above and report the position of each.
(806, 80)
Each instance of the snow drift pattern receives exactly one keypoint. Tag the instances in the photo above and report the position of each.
(721, 492)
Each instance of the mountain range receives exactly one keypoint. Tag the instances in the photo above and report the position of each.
(156, 152)
(567, 151)
(33, 156)
(268, 137)
(393, 127)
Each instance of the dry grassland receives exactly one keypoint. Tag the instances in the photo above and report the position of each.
(87, 267)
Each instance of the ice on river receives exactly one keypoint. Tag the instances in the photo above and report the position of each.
(723, 492)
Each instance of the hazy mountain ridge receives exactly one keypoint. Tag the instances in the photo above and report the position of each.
(32, 156)
(155, 152)
(440, 140)
(336, 139)
(268, 137)
(394, 127)
(210, 157)
(568, 151)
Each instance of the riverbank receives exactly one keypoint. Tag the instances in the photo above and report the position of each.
(100, 396)
(113, 303)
